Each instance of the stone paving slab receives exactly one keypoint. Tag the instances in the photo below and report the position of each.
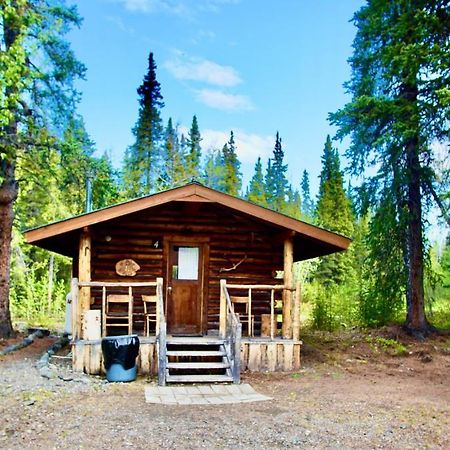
(205, 394)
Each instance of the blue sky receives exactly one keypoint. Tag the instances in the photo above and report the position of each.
(252, 66)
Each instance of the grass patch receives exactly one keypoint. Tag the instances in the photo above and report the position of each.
(390, 346)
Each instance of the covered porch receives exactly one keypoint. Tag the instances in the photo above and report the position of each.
(190, 263)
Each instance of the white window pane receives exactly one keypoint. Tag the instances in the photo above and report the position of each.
(188, 263)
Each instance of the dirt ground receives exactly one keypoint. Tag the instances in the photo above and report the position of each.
(355, 390)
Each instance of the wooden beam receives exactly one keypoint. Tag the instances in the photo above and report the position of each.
(223, 309)
(288, 262)
(296, 313)
(84, 275)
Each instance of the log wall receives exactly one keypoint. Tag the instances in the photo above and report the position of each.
(253, 245)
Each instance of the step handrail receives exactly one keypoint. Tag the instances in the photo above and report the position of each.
(233, 334)
(161, 333)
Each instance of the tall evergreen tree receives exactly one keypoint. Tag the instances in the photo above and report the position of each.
(173, 171)
(256, 190)
(293, 207)
(142, 165)
(214, 172)
(37, 72)
(276, 181)
(232, 181)
(333, 213)
(400, 107)
(307, 201)
(194, 155)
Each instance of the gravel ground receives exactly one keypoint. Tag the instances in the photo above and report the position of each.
(346, 402)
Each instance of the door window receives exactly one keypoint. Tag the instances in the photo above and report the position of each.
(187, 267)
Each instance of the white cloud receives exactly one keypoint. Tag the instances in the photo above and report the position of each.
(140, 5)
(178, 7)
(197, 69)
(151, 6)
(248, 145)
(120, 24)
(223, 100)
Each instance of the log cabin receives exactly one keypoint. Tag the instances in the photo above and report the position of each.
(204, 278)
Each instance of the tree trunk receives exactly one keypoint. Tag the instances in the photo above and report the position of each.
(416, 321)
(8, 187)
(8, 194)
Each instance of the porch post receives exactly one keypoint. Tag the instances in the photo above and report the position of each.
(84, 275)
(223, 310)
(296, 312)
(288, 283)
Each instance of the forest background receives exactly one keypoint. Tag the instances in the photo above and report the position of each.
(370, 285)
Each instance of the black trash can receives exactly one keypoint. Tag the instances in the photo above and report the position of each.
(119, 356)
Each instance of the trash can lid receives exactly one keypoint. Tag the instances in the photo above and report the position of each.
(120, 336)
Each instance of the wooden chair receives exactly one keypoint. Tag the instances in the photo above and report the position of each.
(118, 312)
(150, 312)
(242, 306)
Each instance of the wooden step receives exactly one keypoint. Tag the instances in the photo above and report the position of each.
(193, 341)
(199, 379)
(196, 353)
(197, 365)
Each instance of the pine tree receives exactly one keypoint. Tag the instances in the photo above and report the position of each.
(256, 190)
(173, 171)
(232, 181)
(269, 184)
(276, 181)
(399, 110)
(194, 155)
(308, 206)
(335, 214)
(142, 165)
(214, 173)
(293, 207)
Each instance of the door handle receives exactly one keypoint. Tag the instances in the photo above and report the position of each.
(169, 289)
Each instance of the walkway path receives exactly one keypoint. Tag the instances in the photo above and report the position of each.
(209, 394)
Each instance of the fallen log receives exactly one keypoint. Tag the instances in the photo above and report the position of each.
(24, 343)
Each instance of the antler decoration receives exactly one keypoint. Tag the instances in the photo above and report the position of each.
(234, 266)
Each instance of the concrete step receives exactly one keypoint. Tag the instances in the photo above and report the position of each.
(197, 365)
(199, 379)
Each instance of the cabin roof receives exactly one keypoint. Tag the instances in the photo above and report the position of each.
(310, 241)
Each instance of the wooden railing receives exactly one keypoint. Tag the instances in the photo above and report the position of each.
(250, 288)
(161, 333)
(76, 318)
(232, 334)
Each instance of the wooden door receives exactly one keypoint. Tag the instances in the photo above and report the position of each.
(184, 288)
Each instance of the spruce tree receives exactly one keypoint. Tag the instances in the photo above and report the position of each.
(276, 181)
(142, 165)
(293, 207)
(335, 214)
(214, 172)
(256, 190)
(173, 171)
(194, 154)
(399, 110)
(232, 181)
(308, 206)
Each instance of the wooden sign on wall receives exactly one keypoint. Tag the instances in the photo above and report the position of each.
(127, 268)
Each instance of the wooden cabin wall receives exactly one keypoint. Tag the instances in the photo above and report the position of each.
(233, 239)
